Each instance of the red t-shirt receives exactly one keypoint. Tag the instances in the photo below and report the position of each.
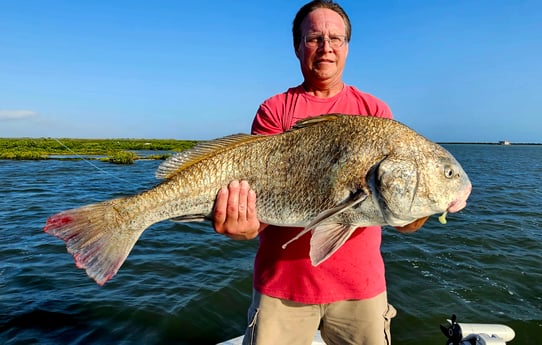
(356, 270)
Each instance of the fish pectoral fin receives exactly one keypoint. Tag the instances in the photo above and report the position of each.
(327, 239)
(355, 198)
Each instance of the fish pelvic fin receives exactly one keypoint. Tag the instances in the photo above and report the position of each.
(99, 236)
(327, 239)
(205, 149)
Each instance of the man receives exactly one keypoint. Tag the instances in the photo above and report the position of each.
(345, 295)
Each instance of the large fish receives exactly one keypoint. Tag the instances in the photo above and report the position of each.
(329, 175)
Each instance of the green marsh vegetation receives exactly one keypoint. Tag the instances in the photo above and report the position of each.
(120, 151)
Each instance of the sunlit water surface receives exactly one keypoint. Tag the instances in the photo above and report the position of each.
(184, 284)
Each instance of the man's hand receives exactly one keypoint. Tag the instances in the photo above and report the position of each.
(235, 212)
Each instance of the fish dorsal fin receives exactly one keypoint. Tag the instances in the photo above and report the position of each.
(201, 151)
(316, 120)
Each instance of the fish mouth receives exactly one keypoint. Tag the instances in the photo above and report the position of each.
(457, 206)
(461, 202)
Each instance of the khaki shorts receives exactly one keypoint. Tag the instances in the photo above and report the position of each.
(273, 321)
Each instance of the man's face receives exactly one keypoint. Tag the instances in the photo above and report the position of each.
(322, 62)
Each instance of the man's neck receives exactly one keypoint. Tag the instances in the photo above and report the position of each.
(323, 90)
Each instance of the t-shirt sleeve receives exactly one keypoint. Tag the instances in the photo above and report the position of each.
(384, 110)
(266, 121)
(378, 107)
(369, 104)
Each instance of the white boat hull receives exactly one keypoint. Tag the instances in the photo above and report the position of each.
(239, 340)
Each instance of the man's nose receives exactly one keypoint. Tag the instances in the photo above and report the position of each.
(325, 44)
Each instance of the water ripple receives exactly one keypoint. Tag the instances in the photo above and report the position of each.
(184, 284)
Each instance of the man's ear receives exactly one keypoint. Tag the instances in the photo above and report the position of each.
(297, 52)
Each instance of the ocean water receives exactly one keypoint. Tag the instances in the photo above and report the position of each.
(183, 284)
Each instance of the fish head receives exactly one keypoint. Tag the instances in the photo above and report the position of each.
(408, 188)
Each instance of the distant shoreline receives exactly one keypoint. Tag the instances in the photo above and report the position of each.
(486, 143)
(176, 142)
(120, 150)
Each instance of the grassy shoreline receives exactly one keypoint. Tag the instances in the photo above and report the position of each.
(121, 151)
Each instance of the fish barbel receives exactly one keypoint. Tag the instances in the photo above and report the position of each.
(328, 175)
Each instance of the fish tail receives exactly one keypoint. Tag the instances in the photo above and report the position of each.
(99, 236)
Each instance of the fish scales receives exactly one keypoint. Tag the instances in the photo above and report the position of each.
(328, 175)
(277, 185)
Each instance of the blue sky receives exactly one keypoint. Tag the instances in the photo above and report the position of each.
(458, 70)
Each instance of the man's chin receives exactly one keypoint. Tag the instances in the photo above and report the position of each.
(325, 73)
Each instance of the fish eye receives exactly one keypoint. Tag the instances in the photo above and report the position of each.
(448, 171)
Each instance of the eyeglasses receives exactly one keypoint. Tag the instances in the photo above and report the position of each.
(315, 41)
